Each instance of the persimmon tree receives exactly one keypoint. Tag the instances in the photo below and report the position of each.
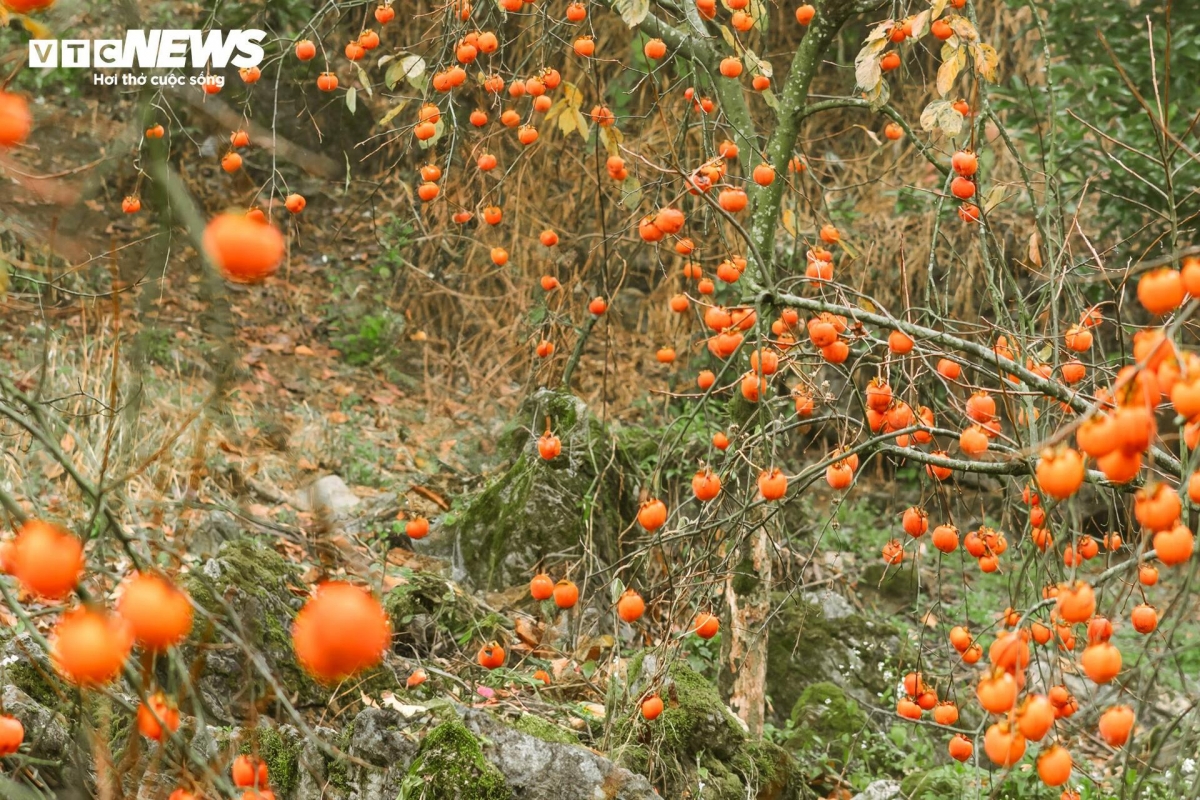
(684, 143)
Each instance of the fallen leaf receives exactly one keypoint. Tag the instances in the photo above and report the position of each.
(301, 350)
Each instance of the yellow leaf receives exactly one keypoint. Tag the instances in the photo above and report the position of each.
(789, 221)
(391, 115)
(302, 350)
(572, 95)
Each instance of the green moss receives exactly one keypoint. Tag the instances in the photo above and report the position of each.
(337, 770)
(536, 508)
(280, 752)
(898, 584)
(935, 784)
(825, 716)
(451, 765)
(31, 678)
(544, 730)
(455, 613)
(697, 740)
(254, 583)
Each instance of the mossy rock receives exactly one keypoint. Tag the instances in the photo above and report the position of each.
(280, 749)
(940, 783)
(537, 509)
(28, 668)
(431, 615)
(247, 587)
(825, 719)
(698, 740)
(806, 647)
(895, 584)
(451, 765)
(544, 730)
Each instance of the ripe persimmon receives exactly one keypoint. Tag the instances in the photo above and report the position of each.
(243, 250)
(341, 630)
(305, 50)
(541, 587)
(1003, 745)
(159, 613)
(416, 528)
(12, 734)
(1116, 724)
(631, 606)
(652, 707)
(566, 594)
(155, 715)
(706, 625)
(89, 647)
(47, 559)
(490, 656)
(652, 514)
(1160, 291)
(772, 484)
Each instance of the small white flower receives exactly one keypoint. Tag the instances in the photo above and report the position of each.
(1188, 766)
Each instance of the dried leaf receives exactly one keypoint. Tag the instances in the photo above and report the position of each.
(994, 197)
(67, 443)
(756, 64)
(878, 97)
(566, 122)
(727, 35)
(929, 117)
(392, 114)
(963, 28)
(880, 31)
(770, 99)
(611, 138)
(788, 219)
(936, 8)
(631, 192)
(410, 68)
(950, 120)
(986, 61)
(1035, 250)
(949, 70)
(581, 125)
(632, 11)
(920, 24)
(867, 73)
(303, 350)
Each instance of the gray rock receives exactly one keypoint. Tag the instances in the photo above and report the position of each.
(879, 790)
(47, 732)
(331, 496)
(381, 737)
(219, 527)
(832, 604)
(541, 770)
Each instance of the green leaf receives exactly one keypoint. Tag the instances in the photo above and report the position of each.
(770, 99)
(391, 115)
(365, 80)
(410, 68)
(352, 99)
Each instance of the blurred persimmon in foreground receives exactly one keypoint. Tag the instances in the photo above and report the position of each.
(341, 630)
(244, 250)
(48, 559)
(159, 613)
(90, 646)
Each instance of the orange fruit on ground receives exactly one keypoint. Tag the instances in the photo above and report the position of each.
(491, 656)
(243, 250)
(89, 647)
(566, 594)
(48, 559)
(159, 613)
(341, 630)
(541, 587)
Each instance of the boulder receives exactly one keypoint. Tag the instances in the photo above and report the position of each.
(537, 510)
(537, 769)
